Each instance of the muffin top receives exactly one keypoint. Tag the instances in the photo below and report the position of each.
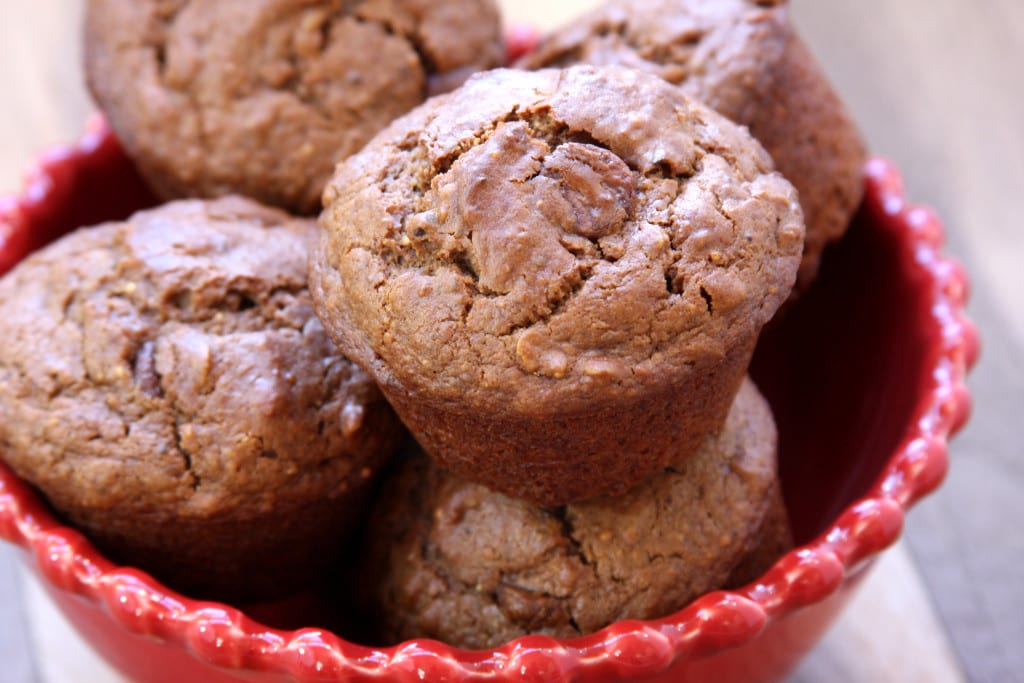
(546, 237)
(744, 59)
(454, 561)
(720, 50)
(171, 365)
(264, 97)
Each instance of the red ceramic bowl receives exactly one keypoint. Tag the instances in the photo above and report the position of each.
(865, 375)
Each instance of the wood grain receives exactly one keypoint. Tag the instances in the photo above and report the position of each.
(936, 85)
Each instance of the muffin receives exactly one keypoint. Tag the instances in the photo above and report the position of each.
(776, 539)
(264, 97)
(453, 561)
(744, 59)
(557, 277)
(166, 386)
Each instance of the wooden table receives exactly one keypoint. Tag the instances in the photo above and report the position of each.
(936, 85)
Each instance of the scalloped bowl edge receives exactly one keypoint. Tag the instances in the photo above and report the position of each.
(224, 637)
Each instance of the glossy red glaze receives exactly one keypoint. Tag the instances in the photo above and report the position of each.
(521, 40)
(866, 377)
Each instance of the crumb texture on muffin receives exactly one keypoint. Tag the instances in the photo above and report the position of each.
(557, 277)
(744, 59)
(586, 226)
(454, 561)
(264, 97)
(165, 383)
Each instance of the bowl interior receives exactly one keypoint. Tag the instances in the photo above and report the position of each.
(845, 370)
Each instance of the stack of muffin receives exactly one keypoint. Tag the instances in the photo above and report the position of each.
(555, 277)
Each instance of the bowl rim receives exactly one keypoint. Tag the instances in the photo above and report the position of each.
(223, 636)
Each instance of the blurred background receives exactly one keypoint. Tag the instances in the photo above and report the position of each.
(937, 86)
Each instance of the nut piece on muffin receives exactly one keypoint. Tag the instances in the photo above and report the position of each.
(744, 59)
(167, 387)
(557, 277)
(264, 97)
(451, 560)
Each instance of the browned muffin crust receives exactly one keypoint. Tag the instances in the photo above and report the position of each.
(264, 97)
(744, 59)
(557, 277)
(451, 560)
(166, 385)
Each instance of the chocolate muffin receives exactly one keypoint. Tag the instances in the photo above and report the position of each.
(166, 386)
(453, 561)
(557, 277)
(744, 59)
(776, 540)
(264, 97)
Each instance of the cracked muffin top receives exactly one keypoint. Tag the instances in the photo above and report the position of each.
(264, 97)
(454, 561)
(744, 59)
(547, 238)
(171, 365)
